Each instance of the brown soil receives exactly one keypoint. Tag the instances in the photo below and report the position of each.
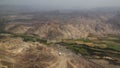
(36, 55)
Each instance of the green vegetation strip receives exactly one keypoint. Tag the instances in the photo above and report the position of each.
(86, 50)
(27, 38)
(83, 39)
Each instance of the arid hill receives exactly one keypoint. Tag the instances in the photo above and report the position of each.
(24, 40)
(15, 53)
(67, 26)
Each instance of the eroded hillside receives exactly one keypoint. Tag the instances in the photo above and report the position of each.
(60, 40)
(67, 26)
(15, 53)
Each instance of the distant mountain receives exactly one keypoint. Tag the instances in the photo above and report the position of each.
(68, 26)
(13, 9)
(26, 9)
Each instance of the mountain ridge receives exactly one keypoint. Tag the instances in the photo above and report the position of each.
(69, 27)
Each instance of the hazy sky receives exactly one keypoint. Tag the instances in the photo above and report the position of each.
(64, 4)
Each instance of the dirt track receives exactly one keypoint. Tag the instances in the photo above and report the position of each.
(68, 59)
(62, 61)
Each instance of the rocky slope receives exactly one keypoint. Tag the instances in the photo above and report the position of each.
(68, 26)
(14, 53)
